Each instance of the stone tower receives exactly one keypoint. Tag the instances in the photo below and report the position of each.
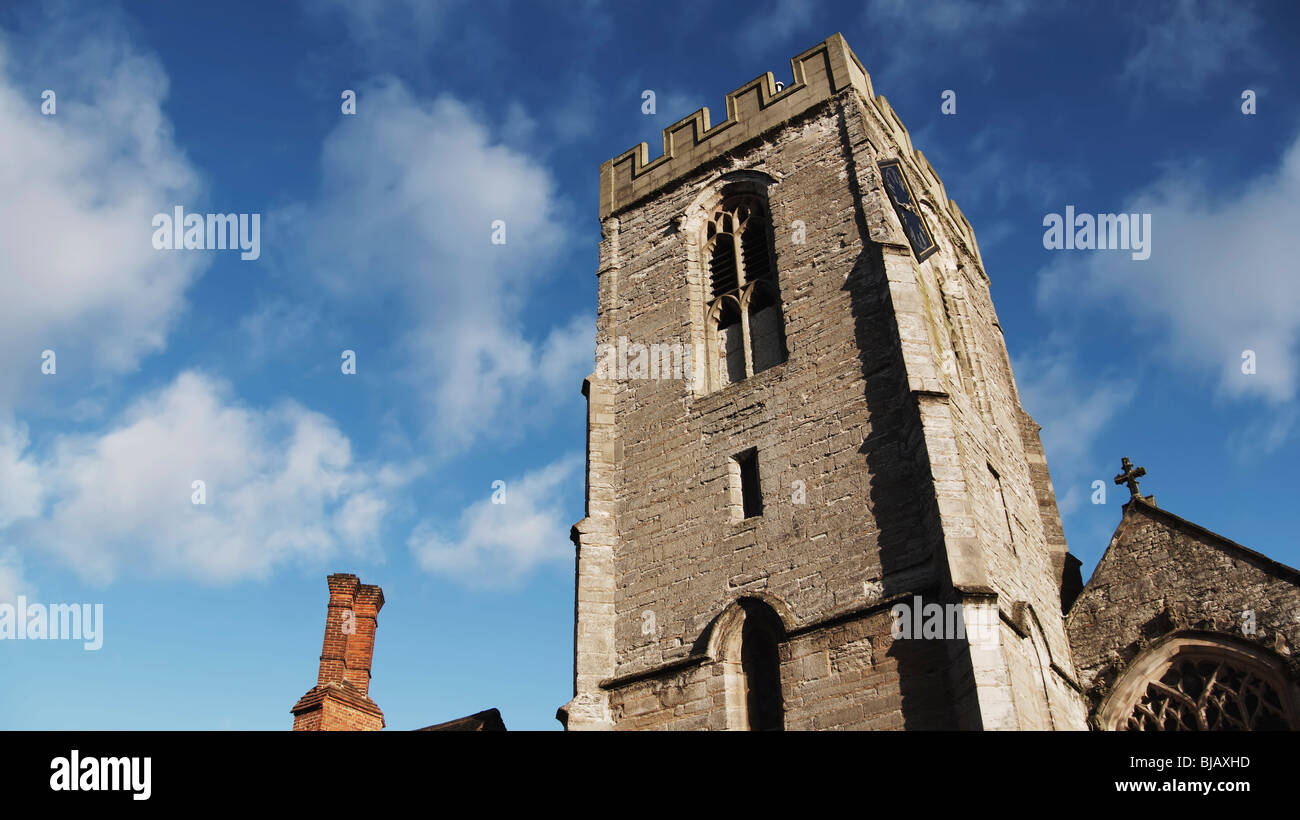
(804, 437)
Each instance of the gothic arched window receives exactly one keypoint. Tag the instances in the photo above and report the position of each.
(1208, 695)
(1198, 681)
(745, 325)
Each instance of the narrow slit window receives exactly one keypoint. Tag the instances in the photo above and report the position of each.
(751, 494)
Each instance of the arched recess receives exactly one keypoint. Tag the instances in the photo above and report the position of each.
(1195, 680)
(1042, 657)
(702, 208)
(745, 642)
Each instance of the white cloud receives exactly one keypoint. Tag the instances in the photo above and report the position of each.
(1221, 278)
(566, 351)
(500, 543)
(281, 486)
(357, 520)
(403, 225)
(78, 191)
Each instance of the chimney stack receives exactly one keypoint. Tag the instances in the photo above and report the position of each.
(340, 700)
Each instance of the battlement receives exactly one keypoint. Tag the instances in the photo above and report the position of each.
(819, 74)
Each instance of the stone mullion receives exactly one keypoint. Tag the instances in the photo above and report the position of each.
(742, 282)
(712, 343)
(742, 296)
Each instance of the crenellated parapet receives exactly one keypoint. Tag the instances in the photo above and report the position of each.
(819, 74)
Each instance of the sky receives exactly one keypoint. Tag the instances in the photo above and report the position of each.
(128, 372)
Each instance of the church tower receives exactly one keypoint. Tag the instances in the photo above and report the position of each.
(813, 498)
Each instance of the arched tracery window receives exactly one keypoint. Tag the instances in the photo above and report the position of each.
(745, 325)
(1207, 682)
(1208, 695)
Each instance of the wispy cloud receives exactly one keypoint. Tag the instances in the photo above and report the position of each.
(776, 23)
(383, 26)
(1074, 407)
(20, 476)
(969, 28)
(1186, 42)
(1257, 438)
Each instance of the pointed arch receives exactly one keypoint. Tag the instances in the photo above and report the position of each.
(734, 259)
(745, 642)
(1042, 660)
(1197, 680)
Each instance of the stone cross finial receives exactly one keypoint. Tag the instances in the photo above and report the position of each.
(1130, 476)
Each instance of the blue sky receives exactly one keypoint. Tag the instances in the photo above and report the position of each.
(173, 366)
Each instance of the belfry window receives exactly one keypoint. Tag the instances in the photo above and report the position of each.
(745, 325)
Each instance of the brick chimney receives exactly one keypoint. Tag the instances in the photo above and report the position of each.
(340, 700)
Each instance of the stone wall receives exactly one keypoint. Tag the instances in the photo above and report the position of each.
(849, 675)
(1163, 575)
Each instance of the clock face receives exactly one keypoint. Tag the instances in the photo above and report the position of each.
(918, 235)
(897, 190)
